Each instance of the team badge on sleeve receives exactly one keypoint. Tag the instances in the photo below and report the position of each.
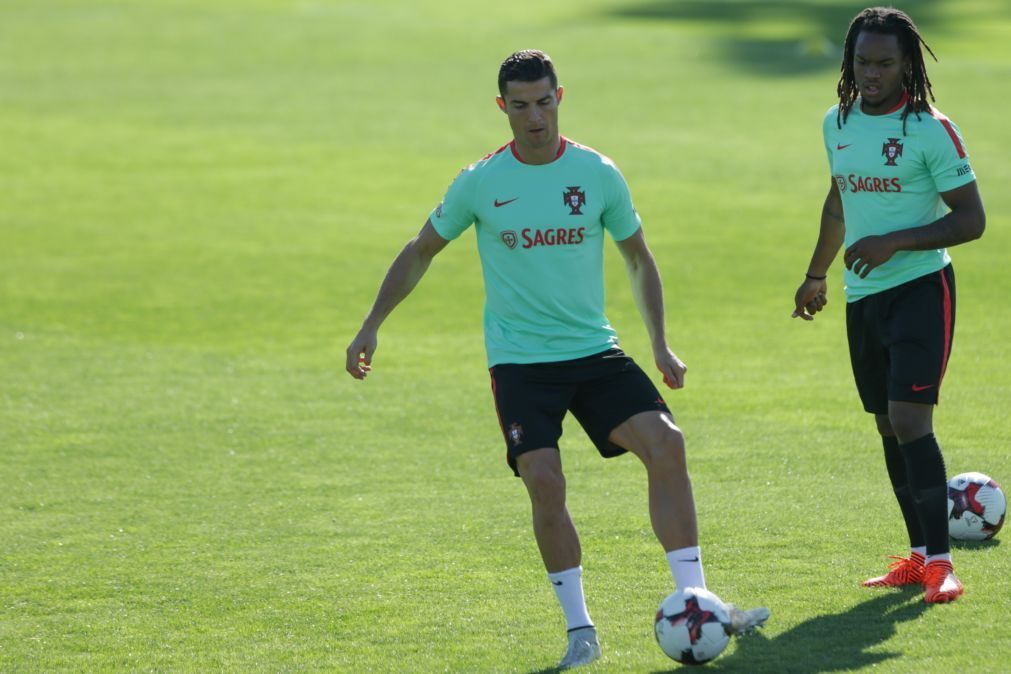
(891, 151)
(575, 200)
(516, 434)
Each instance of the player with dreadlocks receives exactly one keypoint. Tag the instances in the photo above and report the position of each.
(915, 81)
(902, 192)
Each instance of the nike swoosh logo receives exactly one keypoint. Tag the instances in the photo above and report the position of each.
(557, 582)
(842, 147)
(689, 561)
(917, 389)
(500, 204)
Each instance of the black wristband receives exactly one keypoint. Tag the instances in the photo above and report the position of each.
(815, 278)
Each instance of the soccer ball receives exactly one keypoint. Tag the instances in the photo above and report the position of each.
(689, 626)
(976, 507)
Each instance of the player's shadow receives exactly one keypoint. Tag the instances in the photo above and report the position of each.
(827, 643)
(975, 545)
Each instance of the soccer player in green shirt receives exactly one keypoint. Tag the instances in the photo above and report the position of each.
(540, 206)
(902, 192)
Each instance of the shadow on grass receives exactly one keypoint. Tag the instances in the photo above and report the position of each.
(795, 51)
(827, 643)
(974, 545)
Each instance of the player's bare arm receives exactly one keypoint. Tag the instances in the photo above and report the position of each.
(648, 292)
(964, 223)
(401, 278)
(812, 295)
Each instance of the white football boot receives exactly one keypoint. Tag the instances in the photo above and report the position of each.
(583, 648)
(745, 622)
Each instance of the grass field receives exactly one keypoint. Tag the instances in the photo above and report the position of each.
(197, 203)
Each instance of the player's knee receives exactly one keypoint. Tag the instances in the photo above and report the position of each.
(667, 449)
(674, 446)
(909, 427)
(544, 480)
(884, 425)
(547, 482)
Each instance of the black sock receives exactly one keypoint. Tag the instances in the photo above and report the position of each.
(896, 465)
(928, 483)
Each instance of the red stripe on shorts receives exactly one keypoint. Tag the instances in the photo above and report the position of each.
(947, 325)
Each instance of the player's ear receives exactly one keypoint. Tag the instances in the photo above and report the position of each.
(558, 94)
(501, 103)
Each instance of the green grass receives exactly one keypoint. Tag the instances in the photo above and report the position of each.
(197, 203)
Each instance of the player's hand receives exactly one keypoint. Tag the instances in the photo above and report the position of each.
(671, 367)
(359, 353)
(867, 254)
(811, 297)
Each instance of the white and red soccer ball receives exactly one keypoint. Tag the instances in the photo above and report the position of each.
(690, 626)
(976, 507)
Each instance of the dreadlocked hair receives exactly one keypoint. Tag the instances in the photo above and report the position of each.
(887, 21)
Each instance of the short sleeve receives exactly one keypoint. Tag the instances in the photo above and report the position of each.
(829, 128)
(455, 213)
(946, 157)
(619, 216)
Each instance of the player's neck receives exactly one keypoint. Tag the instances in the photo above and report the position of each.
(887, 107)
(538, 155)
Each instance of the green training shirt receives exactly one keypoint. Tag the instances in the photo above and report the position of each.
(890, 180)
(540, 236)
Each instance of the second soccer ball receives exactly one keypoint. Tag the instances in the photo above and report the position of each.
(976, 507)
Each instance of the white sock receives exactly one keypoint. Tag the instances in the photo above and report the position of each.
(943, 557)
(920, 549)
(568, 586)
(686, 567)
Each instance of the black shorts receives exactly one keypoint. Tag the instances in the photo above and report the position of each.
(602, 391)
(900, 340)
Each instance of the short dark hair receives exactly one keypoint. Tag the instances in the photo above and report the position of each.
(887, 21)
(528, 65)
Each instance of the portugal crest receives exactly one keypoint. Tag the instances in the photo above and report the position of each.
(515, 434)
(575, 200)
(891, 151)
(509, 238)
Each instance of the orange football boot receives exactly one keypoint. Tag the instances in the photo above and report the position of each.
(903, 571)
(939, 583)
